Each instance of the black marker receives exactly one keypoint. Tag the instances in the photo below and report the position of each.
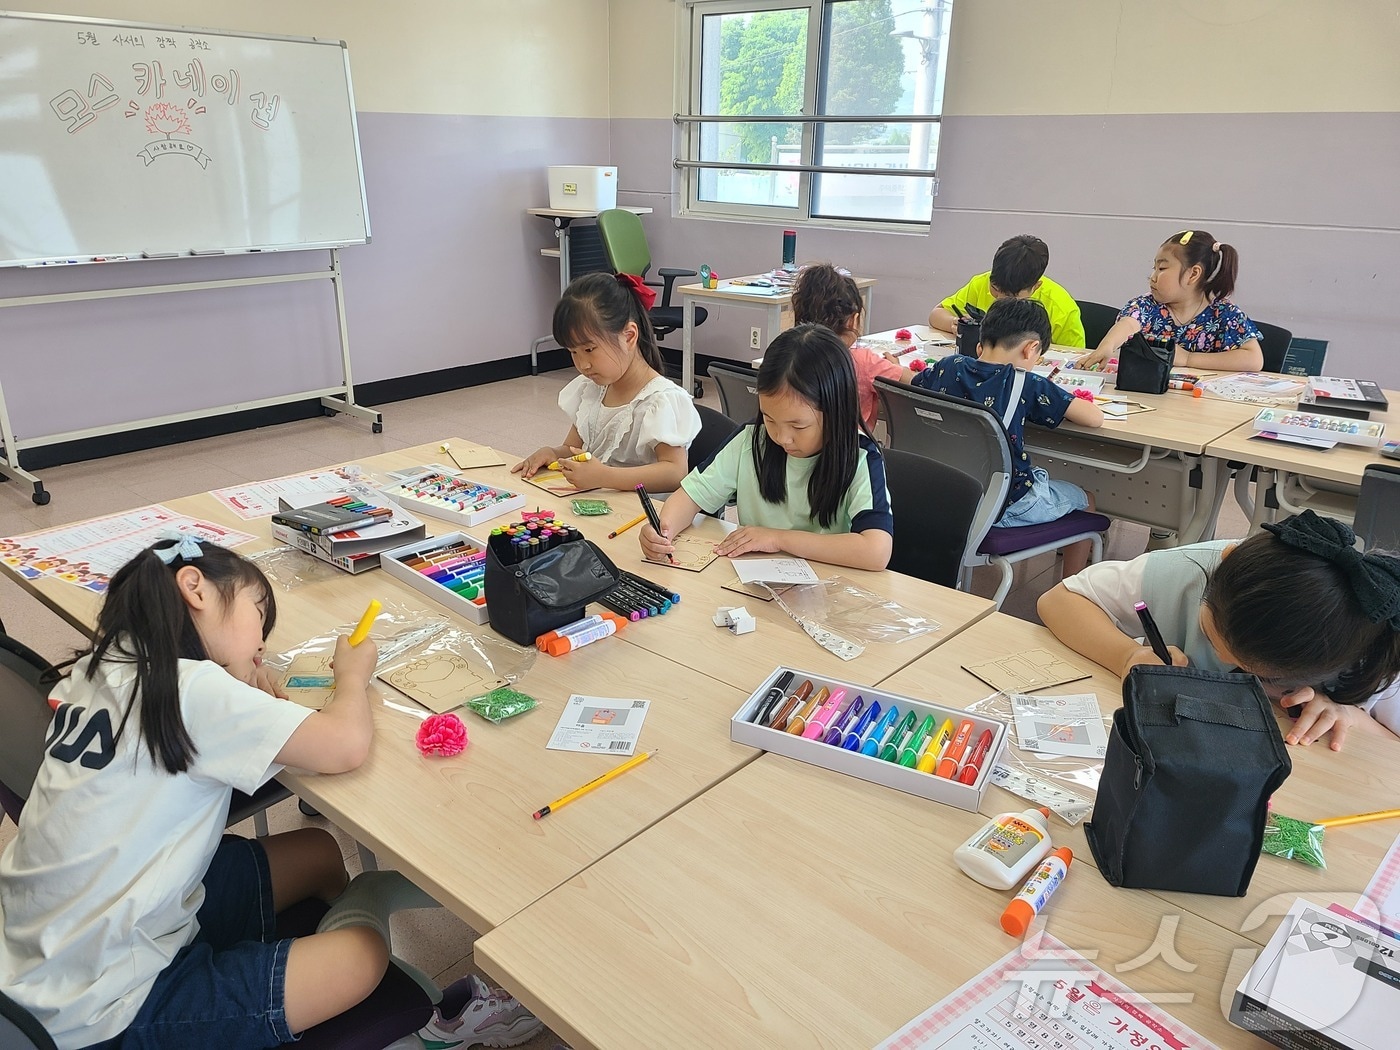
(765, 706)
(649, 509)
(1154, 636)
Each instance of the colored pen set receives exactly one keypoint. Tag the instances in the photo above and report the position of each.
(459, 565)
(636, 598)
(456, 499)
(513, 544)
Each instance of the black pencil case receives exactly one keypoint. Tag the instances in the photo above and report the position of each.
(1144, 367)
(527, 599)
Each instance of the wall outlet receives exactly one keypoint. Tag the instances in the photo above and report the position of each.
(755, 338)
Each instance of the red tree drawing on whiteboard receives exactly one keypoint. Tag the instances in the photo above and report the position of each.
(166, 118)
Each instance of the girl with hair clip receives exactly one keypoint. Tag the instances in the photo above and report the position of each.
(807, 477)
(1297, 605)
(1189, 305)
(635, 422)
(129, 919)
(824, 295)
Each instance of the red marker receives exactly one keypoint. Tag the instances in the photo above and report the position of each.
(979, 755)
(948, 764)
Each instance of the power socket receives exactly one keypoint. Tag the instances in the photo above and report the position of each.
(755, 338)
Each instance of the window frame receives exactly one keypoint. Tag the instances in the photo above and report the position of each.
(689, 123)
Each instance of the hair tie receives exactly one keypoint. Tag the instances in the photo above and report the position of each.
(645, 295)
(184, 545)
(1374, 577)
(1219, 261)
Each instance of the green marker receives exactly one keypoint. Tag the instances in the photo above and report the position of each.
(899, 737)
(909, 755)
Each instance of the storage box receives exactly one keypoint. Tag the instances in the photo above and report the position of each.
(392, 562)
(853, 763)
(575, 187)
(409, 493)
(1324, 428)
(309, 544)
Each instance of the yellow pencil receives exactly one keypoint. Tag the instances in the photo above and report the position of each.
(1359, 818)
(596, 782)
(361, 631)
(623, 528)
(582, 457)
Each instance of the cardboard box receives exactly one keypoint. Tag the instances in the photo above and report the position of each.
(356, 550)
(392, 562)
(1323, 980)
(853, 763)
(309, 544)
(575, 187)
(404, 493)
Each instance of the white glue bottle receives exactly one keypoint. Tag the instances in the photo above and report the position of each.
(1002, 852)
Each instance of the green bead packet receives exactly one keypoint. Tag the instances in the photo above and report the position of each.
(1294, 840)
(589, 508)
(500, 704)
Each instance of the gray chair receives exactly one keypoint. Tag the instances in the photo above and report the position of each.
(738, 390)
(1378, 507)
(970, 438)
(715, 429)
(934, 507)
(1097, 319)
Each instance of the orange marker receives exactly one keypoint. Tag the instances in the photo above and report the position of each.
(948, 764)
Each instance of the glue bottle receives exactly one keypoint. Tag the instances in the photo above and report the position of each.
(1034, 895)
(611, 624)
(1004, 850)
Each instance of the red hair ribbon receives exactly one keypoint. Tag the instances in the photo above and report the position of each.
(646, 295)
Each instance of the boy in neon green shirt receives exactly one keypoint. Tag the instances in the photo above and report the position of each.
(1018, 272)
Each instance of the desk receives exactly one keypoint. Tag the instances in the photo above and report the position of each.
(778, 309)
(790, 906)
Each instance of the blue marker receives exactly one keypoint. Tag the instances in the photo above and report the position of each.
(870, 744)
(851, 742)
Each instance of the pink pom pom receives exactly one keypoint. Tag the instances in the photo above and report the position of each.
(904, 335)
(917, 366)
(443, 735)
(1084, 394)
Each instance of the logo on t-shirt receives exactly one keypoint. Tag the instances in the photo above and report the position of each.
(70, 737)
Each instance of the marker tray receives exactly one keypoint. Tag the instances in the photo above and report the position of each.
(1324, 427)
(392, 562)
(406, 494)
(855, 764)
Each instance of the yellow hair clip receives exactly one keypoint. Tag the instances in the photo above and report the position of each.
(1186, 237)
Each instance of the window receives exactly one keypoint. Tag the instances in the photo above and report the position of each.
(791, 102)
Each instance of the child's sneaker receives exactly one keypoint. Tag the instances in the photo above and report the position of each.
(490, 1018)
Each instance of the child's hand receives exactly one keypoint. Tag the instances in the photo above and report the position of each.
(750, 538)
(655, 545)
(1321, 715)
(536, 463)
(589, 474)
(268, 682)
(354, 664)
(1143, 654)
(1094, 359)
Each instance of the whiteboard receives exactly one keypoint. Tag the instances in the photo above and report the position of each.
(124, 140)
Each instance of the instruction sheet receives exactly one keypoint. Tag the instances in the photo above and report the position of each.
(599, 723)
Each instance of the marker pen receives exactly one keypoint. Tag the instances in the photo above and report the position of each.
(817, 726)
(909, 755)
(870, 745)
(948, 764)
(926, 762)
(851, 741)
(1154, 636)
(789, 705)
(797, 721)
(765, 706)
(970, 770)
(836, 732)
(889, 748)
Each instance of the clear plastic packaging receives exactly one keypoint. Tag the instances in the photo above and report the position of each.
(289, 568)
(1294, 840)
(848, 610)
(500, 704)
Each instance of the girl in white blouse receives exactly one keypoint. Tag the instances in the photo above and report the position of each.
(635, 422)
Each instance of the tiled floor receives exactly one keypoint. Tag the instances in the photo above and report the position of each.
(515, 416)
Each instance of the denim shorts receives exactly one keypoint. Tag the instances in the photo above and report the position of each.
(1046, 501)
(225, 989)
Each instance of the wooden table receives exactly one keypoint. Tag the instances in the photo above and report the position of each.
(790, 906)
(777, 307)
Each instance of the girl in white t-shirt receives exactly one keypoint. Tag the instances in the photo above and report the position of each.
(635, 423)
(128, 918)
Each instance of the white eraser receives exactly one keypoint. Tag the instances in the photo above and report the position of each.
(744, 624)
(721, 618)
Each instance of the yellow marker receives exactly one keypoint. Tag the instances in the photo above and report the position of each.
(361, 631)
(596, 782)
(936, 743)
(1359, 818)
(582, 457)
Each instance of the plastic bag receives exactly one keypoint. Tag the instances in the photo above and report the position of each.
(289, 568)
(500, 704)
(1294, 840)
(854, 613)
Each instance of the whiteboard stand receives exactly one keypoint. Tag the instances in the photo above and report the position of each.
(334, 399)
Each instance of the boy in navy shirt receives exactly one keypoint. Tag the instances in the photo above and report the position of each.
(1015, 333)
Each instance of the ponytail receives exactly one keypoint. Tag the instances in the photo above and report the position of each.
(597, 306)
(1219, 262)
(145, 622)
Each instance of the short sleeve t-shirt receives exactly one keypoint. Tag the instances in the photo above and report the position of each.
(1066, 326)
(871, 365)
(627, 435)
(99, 889)
(1040, 402)
(1219, 327)
(729, 474)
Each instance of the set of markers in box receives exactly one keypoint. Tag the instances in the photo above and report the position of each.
(453, 498)
(523, 540)
(450, 569)
(936, 752)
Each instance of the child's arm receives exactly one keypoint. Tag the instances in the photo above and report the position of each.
(538, 460)
(662, 476)
(1085, 413)
(1247, 357)
(943, 319)
(676, 515)
(1091, 632)
(870, 549)
(1123, 329)
(336, 738)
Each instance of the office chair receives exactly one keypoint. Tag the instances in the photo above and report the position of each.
(1097, 319)
(715, 429)
(972, 439)
(934, 507)
(1274, 341)
(1377, 519)
(738, 390)
(625, 243)
(19, 1030)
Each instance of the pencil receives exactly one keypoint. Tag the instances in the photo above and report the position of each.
(636, 760)
(623, 528)
(1358, 818)
(361, 631)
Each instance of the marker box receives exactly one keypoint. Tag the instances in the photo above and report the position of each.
(431, 492)
(395, 563)
(853, 763)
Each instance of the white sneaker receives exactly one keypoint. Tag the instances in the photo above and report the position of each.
(492, 1018)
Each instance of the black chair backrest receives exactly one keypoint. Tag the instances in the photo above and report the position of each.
(1274, 341)
(934, 507)
(715, 429)
(19, 1030)
(1378, 507)
(1098, 318)
(25, 714)
(738, 390)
